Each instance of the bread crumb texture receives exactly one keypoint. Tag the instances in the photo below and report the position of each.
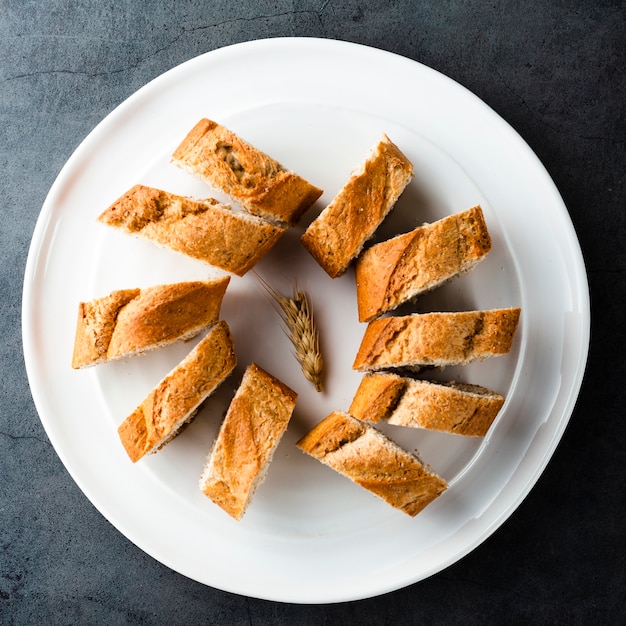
(457, 408)
(254, 424)
(366, 456)
(261, 184)
(437, 339)
(132, 321)
(399, 269)
(202, 229)
(337, 236)
(174, 401)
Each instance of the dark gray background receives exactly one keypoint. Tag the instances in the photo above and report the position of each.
(552, 69)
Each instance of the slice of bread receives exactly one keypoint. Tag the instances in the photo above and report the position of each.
(436, 339)
(370, 459)
(175, 400)
(337, 236)
(399, 269)
(226, 162)
(451, 407)
(202, 229)
(254, 424)
(132, 321)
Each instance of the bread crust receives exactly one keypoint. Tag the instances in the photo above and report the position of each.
(451, 407)
(202, 229)
(261, 184)
(399, 269)
(132, 321)
(254, 424)
(174, 401)
(337, 236)
(370, 459)
(376, 396)
(437, 339)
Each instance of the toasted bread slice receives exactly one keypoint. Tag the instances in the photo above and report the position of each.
(226, 162)
(132, 321)
(337, 236)
(175, 400)
(202, 229)
(252, 429)
(370, 459)
(436, 339)
(399, 269)
(452, 407)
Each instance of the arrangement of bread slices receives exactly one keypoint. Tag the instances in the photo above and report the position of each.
(129, 322)
(388, 274)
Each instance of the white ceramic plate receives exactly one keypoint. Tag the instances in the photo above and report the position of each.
(317, 106)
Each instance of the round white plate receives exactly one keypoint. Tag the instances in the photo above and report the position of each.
(317, 106)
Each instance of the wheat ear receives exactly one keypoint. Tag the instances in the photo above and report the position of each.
(297, 316)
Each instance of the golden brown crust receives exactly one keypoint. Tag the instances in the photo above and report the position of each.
(336, 237)
(371, 460)
(451, 407)
(399, 269)
(333, 432)
(95, 324)
(202, 229)
(376, 396)
(174, 401)
(438, 339)
(228, 163)
(132, 321)
(254, 424)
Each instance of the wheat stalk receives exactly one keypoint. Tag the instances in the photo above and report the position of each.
(297, 316)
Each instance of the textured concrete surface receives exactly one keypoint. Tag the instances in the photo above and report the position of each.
(554, 70)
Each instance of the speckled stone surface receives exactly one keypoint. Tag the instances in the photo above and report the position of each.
(553, 70)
